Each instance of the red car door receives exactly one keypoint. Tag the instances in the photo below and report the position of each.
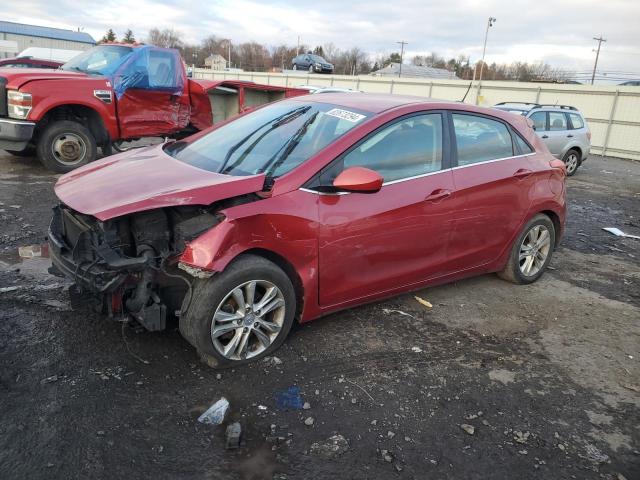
(157, 101)
(493, 182)
(398, 236)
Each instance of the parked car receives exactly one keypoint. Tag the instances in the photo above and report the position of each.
(304, 207)
(111, 94)
(630, 83)
(312, 63)
(563, 129)
(28, 62)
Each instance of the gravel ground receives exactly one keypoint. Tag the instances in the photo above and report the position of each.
(495, 381)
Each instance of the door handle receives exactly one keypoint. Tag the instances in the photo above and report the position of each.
(522, 173)
(569, 136)
(545, 136)
(438, 194)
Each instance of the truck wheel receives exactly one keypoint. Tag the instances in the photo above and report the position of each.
(241, 314)
(66, 145)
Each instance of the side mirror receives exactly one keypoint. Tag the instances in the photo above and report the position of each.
(358, 179)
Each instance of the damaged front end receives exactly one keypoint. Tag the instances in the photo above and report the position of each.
(129, 262)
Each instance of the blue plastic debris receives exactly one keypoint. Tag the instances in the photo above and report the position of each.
(216, 412)
(290, 399)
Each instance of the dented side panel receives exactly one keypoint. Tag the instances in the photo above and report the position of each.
(286, 225)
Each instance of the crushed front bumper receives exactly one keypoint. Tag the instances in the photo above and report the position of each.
(75, 254)
(15, 134)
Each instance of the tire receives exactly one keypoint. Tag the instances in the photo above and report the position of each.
(213, 297)
(572, 161)
(29, 151)
(66, 145)
(514, 270)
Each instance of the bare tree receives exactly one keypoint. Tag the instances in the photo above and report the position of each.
(166, 38)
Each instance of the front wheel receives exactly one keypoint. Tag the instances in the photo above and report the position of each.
(531, 252)
(572, 162)
(241, 315)
(66, 145)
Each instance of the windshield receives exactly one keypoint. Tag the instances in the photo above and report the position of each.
(272, 140)
(102, 60)
(316, 58)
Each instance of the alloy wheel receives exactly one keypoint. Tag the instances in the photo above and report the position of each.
(248, 320)
(69, 149)
(571, 162)
(534, 250)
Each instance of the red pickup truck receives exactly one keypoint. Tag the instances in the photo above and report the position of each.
(110, 94)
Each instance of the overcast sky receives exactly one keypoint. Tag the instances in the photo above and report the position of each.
(558, 32)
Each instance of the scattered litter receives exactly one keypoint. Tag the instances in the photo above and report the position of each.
(290, 399)
(306, 406)
(470, 429)
(30, 251)
(386, 456)
(8, 289)
(331, 447)
(51, 379)
(216, 412)
(619, 233)
(388, 311)
(262, 407)
(273, 360)
(367, 393)
(126, 344)
(234, 431)
(308, 421)
(521, 437)
(595, 455)
(416, 349)
(424, 302)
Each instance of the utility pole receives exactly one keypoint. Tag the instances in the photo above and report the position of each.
(402, 44)
(595, 65)
(490, 23)
(298, 50)
(229, 47)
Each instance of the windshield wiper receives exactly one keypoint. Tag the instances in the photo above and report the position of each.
(288, 147)
(274, 123)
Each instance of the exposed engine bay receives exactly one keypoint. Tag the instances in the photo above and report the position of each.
(130, 263)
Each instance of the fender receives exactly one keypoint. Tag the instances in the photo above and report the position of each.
(49, 94)
(280, 226)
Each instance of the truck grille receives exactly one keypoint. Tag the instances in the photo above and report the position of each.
(3, 97)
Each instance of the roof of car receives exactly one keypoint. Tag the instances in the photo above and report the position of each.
(368, 102)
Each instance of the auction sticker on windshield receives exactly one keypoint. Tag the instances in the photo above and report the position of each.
(345, 115)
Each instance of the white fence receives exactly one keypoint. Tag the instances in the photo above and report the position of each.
(613, 112)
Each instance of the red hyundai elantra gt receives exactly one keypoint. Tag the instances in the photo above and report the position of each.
(304, 207)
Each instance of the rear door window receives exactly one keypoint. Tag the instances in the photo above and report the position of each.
(539, 120)
(557, 121)
(576, 121)
(479, 139)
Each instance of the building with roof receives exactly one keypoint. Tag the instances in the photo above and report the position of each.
(415, 71)
(215, 62)
(16, 37)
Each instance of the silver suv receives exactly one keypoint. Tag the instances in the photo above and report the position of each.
(562, 128)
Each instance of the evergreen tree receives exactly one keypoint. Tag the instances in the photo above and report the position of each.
(109, 37)
(128, 37)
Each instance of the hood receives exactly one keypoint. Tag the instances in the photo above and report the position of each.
(145, 179)
(16, 77)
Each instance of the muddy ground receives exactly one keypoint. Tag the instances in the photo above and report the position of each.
(545, 379)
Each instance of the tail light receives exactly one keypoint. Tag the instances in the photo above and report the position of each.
(558, 165)
(19, 104)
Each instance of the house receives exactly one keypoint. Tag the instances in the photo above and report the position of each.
(215, 62)
(16, 37)
(415, 71)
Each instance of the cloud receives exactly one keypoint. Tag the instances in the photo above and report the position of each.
(559, 32)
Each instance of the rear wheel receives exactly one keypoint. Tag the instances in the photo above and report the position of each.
(531, 252)
(571, 160)
(240, 315)
(65, 145)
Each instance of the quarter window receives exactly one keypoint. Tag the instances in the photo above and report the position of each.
(480, 139)
(539, 120)
(407, 148)
(522, 145)
(557, 121)
(576, 121)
